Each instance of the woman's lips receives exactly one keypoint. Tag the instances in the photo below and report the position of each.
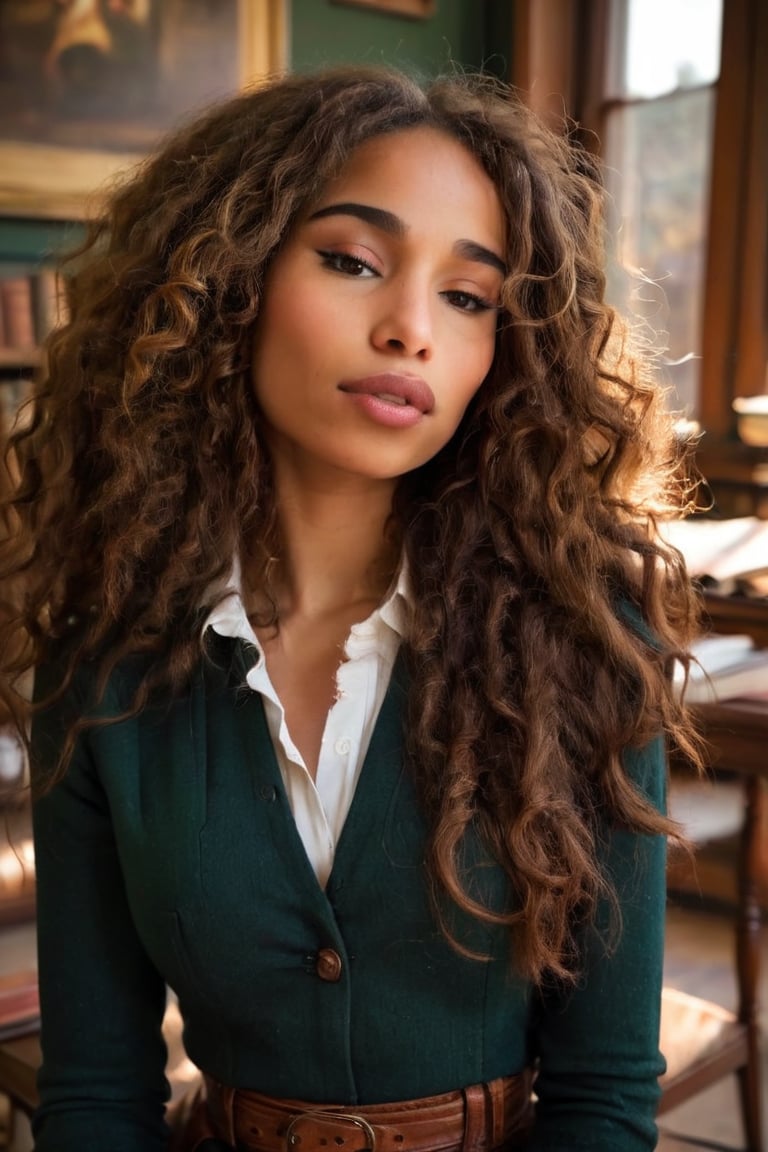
(390, 399)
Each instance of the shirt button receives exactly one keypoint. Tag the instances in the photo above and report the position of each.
(267, 792)
(343, 746)
(328, 965)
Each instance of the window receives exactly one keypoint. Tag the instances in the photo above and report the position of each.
(658, 116)
(674, 93)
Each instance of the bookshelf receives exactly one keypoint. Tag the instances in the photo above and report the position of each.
(29, 249)
(31, 304)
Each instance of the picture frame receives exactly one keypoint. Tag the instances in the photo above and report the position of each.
(61, 141)
(415, 9)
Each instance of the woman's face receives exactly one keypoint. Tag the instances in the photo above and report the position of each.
(378, 319)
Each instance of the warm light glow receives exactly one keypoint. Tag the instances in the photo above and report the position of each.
(17, 863)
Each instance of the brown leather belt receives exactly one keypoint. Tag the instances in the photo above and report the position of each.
(480, 1118)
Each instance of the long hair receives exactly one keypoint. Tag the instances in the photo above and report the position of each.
(545, 610)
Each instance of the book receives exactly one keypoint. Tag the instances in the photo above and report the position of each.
(724, 667)
(726, 556)
(50, 309)
(18, 316)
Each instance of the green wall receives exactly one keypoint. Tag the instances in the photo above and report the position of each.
(325, 32)
(474, 33)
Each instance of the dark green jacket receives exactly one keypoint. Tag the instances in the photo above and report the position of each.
(169, 855)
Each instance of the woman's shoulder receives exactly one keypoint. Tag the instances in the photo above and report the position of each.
(103, 681)
(92, 679)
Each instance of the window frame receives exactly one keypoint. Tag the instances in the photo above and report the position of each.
(560, 55)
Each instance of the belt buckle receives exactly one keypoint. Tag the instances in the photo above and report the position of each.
(292, 1139)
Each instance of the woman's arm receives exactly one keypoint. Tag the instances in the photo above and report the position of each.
(598, 1043)
(102, 1081)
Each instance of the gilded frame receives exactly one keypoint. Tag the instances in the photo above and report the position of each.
(27, 187)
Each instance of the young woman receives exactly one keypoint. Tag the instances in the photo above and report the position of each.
(352, 634)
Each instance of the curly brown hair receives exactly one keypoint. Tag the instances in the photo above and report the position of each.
(546, 611)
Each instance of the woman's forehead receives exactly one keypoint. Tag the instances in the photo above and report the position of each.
(413, 171)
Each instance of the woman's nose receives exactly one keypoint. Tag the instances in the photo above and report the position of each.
(405, 323)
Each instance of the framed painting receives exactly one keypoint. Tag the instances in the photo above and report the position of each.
(418, 9)
(87, 87)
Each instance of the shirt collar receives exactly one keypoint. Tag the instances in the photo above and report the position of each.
(228, 617)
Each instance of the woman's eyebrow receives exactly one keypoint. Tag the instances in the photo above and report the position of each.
(391, 224)
(378, 217)
(471, 250)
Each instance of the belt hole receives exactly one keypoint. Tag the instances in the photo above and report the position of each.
(323, 1141)
(399, 1138)
(338, 1139)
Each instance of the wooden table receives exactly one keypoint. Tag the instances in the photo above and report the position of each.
(736, 614)
(736, 732)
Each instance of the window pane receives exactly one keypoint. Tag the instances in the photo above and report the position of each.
(658, 156)
(664, 45)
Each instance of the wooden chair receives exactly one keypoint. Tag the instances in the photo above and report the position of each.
(702, 1041)
(19, 1023)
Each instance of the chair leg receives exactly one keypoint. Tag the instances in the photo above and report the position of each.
(751, 1104)
(6, 1121)
(748, 931)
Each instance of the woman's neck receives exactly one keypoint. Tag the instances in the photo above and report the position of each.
(334, 566)
(334, 548)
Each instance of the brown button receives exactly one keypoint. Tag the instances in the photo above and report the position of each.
(328, 965)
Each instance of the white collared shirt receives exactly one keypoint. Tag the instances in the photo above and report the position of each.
(320, 806)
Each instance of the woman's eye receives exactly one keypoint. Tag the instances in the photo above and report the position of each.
(349, 265)
(468, 301)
